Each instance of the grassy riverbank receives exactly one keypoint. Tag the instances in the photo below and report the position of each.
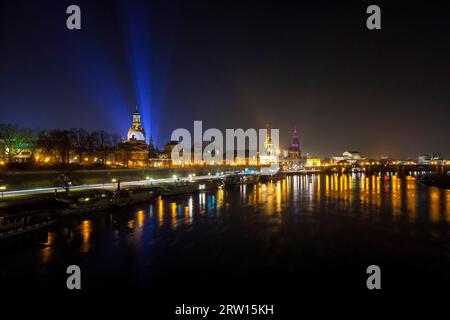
(21, 180)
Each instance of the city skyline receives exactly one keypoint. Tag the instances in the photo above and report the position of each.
(315, 68)
(114, 138)
(224, 159)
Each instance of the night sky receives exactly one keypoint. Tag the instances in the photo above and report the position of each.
(312, 65)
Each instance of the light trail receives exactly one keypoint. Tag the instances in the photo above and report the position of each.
(110, 185)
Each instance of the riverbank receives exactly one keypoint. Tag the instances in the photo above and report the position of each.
(22, 180)
(26, 214)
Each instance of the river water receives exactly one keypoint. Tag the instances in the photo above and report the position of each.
(299, 235)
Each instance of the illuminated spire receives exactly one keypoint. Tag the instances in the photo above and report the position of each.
(268, 143)
(151, 141)
(295, 141)
(136, 132)
(268, 136)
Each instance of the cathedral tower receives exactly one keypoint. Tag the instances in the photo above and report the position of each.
(136, 133)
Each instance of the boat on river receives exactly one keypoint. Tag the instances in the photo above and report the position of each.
(177, 189)
(12, 224)
(125, 197)
(99, 201)
(240, 179)
(208, 185)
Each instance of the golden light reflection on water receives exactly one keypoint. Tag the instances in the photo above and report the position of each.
(278, 190)
(447, 206)
(140, 217)
(47, 252)
(371, 197)
(220, 200)
(173, 214)
(160, 205)
(136, 225)
(411, 197)
(376, 195)
(435, 204)
(396, 196)
(86, 230)
(356, 194)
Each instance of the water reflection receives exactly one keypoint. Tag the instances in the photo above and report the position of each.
(355, 194)
(85, 231)
(298, 225)
(48, 249)
(378, 198)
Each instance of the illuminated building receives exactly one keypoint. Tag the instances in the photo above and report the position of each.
(166, 155)
(268, 144)
(429, 158)
(136, 133)
(294, 152)
(269, 157)
(293, 158)
(349, 157)
(135, 152)
(312, 162)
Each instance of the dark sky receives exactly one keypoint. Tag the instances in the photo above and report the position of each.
(306, 64)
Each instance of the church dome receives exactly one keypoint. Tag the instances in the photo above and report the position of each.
(136, 134)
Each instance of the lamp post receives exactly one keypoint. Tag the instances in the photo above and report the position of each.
(118, 183)
(2, 189)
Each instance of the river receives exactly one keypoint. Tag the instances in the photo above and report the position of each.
(303, 234)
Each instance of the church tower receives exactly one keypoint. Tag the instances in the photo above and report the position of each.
(268, 156)
(136, 133)
(294, 150)
(268, 143)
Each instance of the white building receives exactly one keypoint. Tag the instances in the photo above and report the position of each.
(349, 156)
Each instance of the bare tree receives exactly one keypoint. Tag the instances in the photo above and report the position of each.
(62, 140)
(45, 143)
(115, 140)
(14, 140)
(101, 143)
(80, 139)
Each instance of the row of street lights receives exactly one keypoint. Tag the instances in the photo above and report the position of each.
(150, 180)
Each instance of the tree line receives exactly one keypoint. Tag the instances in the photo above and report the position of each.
(58, 144)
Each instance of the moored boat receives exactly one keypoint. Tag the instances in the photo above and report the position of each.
(177, 189)
(89, 202)
(208, 185)
(19, 223)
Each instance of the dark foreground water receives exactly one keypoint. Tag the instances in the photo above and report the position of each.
(299, 236)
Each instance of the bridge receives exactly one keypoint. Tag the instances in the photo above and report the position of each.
(375, 168)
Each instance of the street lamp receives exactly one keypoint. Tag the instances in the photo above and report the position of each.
(118, 183)
(2, 189)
